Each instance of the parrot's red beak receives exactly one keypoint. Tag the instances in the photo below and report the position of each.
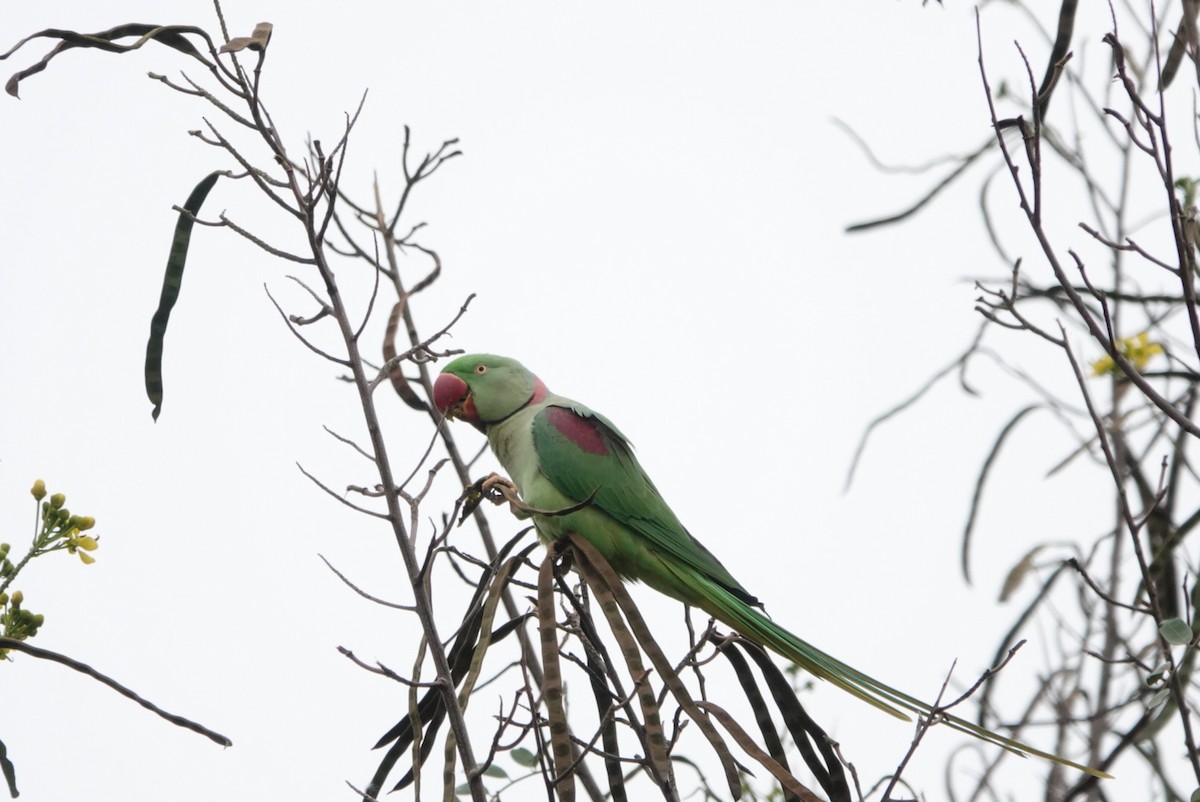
(449, 394)
(452, 397)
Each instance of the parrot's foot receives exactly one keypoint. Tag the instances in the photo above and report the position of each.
(497, 488)
(500, 489)
(494, 488)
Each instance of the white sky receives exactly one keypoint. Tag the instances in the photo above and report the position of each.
(650, 210)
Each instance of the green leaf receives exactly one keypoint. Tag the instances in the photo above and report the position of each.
(495, 771)
(1158, 674)
(170, 289)
(10, 773)
(1176, 631)
(523, 757)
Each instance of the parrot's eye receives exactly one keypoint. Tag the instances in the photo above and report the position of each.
(481, 369)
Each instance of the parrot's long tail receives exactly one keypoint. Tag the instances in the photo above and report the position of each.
(749, 622)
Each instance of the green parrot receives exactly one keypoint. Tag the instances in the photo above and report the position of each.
(559, 454)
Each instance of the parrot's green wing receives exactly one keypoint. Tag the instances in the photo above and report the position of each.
(586, 456)
(582, 453)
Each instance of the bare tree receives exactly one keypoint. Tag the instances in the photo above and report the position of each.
(542, 626)
(642, 704)
(1110, 270)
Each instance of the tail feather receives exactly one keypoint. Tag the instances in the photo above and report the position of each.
(752, 624)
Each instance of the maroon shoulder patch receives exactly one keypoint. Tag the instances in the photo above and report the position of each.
(583, 432)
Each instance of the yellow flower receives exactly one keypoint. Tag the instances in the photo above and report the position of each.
(1137, 349)
(81, 545)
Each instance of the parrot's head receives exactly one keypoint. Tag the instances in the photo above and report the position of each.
(483, 389)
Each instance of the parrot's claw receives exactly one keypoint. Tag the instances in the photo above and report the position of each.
(500, 489)
(494, 488)
(497, 488)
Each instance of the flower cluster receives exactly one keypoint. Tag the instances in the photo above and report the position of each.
(15, 621)
(61, 529)
(57, 530)
(1137, 349)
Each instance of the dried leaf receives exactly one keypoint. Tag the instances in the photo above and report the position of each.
(256, 41)
(552, 684)
(806, 734)
(173, 36)
(596, 570)
(656, 737)
(1016, 574)
(981, 482)
(790, 783)
(399, 383)
(430, 713)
